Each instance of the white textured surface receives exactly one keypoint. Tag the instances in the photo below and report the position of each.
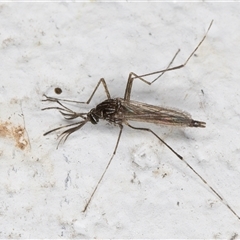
(73, 45)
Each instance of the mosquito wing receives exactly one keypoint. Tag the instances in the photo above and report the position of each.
(142, 112)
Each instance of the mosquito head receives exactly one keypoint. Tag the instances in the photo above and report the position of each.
(92, 116)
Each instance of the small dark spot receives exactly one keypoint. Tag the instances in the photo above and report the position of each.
(58, 90)
(235, 235)
(202, 92)
(150, 34)
(195, 55)
(178, 203)
(164, 175)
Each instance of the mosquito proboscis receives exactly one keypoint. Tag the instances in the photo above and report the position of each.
(120, 111)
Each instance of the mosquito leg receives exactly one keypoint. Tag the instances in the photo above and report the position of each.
(101, 81)
(133, 76)
(64, 108)
(184, 64)
(149, 130)
(178, 51)
(188, 165)
(66, 112)
(99, 181)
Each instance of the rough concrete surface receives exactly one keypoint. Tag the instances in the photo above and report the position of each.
(147, 191)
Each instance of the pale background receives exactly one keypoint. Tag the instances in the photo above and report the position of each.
(147, 191)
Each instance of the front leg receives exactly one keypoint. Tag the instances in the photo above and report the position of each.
(101, 81)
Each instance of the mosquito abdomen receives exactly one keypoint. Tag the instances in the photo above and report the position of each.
(195, 123)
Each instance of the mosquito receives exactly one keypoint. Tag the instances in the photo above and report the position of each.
(119, 111)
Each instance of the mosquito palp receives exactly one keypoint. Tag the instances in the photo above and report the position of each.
(119, 111)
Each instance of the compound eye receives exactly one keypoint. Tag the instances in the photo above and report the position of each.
(93, 118)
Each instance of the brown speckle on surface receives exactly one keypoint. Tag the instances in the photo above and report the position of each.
(58, 90)
(8, 130)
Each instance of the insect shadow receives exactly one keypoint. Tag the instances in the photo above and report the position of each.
(119, 111)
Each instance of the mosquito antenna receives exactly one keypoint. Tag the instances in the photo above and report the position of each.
(64, 136)
(58, 128)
